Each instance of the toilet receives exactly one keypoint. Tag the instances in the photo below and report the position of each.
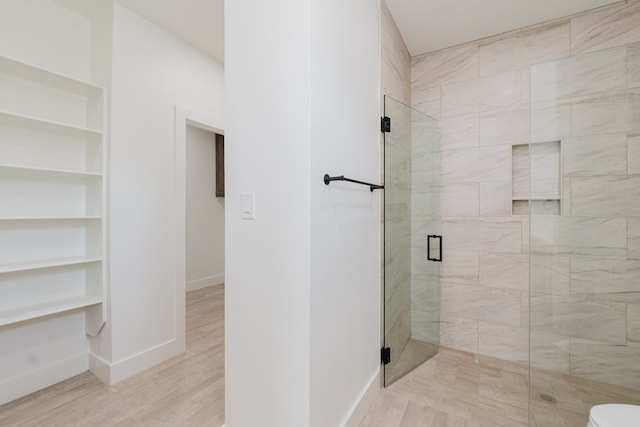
(614, 415)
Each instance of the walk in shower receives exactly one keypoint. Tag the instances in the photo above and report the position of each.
(412, 242)
(584, 213)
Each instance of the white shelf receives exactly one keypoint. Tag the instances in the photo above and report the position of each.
(8, 317)
(555, 197)
(51, 263)
(27, 71)
(50, 218)
(47, 171)
(30, 122)
(545, 197)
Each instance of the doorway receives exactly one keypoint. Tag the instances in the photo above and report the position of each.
(183, 119)
(204, 250)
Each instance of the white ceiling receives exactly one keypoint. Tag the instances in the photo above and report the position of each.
(429, 25)
(426, 25)
(199, 22)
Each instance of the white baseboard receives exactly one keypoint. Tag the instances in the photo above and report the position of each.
(193, 285)
(111, 373)
(363, 403)
(100, 368)
(21, 385)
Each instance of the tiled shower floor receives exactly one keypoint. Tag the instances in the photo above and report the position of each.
(414, 350)
(573, 396)
(460, 389)
(455, 389)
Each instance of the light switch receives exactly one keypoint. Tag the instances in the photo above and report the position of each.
(248, 205)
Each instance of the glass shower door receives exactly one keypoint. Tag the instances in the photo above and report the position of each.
(412, 241)
(584, 235)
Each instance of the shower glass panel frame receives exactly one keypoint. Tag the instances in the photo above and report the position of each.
(584, 293)
(411, 214)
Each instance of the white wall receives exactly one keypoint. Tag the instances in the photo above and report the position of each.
(302, 305)
(267, 125)
(345, 219)
(46, 34)
(153, 72)
(204, 212)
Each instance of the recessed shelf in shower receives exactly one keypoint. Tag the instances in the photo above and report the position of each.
(536, 184)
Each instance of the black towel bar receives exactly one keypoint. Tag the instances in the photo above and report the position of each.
(328, 179)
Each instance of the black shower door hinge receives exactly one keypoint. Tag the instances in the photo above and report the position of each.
(385, 124)
(385, 355)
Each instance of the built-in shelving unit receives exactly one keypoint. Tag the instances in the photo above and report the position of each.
(29, 312)
(7, 117)
(52, 195)
(45, 171)
(536, 184)
(51, 263)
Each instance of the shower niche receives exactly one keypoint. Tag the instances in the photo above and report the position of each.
(536, 186)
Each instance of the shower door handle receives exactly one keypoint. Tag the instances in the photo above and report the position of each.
(439, 238)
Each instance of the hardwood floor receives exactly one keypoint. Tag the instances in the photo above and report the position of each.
(187, 390)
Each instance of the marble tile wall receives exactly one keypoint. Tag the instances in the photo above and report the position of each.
(607, 27)
(425, 179)
(576, 75)
(412, 182)
(633, 153)
(585, 282)
(395, 63)
(607, 363)
(545, 170)
(397, 229)
(520, 175)
(395, 73)
(633, 67)
(633, 238)
(595, 155)
(575, 80)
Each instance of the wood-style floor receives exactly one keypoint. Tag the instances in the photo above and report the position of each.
(453, 388)
(187, 390)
